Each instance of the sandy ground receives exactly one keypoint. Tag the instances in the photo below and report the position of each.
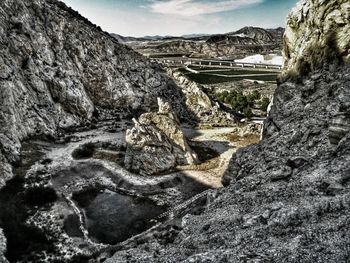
(222, 140)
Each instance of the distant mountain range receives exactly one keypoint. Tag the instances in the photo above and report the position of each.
(124, 39)
(245, 34)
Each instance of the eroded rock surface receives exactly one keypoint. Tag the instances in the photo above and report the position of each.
(311, 27)
(156, 143)
(198, 102)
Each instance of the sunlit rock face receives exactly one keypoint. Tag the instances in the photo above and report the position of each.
(208, 112)
(314, 25)
(156, 143)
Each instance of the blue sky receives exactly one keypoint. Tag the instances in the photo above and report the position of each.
(178, 17)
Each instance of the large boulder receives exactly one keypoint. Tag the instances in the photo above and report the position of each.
(156, 143)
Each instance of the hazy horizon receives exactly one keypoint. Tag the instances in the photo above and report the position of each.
(140, 18)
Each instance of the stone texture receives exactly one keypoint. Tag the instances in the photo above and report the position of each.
(156, 143)
(2, 247)
(200, 104)
(311, 26)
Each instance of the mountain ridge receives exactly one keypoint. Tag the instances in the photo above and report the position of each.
(195, 36)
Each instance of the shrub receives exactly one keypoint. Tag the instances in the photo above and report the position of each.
(238, 101)
(248, 112)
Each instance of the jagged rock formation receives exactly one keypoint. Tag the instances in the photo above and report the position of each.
(156, 143)
(197, 101)
(317, 32)
(287, 199)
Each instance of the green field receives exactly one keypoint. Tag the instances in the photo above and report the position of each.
(203, 78)
(210, 77)
(234, 72)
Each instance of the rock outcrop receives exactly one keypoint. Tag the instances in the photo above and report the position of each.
(198, 102)
(287, 199)
(156, 143)
(317, 32)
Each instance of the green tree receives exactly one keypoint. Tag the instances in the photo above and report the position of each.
(265, 102)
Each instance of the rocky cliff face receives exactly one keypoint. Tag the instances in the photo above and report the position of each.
(317, 32)
(57, 70)
(287, 198)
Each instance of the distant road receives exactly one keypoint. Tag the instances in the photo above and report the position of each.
(242, 76)
(215, 63)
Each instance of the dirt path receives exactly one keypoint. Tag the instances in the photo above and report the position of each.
(211, 171)
(240, 76)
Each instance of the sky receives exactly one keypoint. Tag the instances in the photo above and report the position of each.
(180, 17)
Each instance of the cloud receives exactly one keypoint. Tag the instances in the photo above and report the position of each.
(190, 8)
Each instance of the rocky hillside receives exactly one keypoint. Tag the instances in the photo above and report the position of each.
(277, 33)
(257, 34)
(57, 70)
(287, 198)
(244, 41)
